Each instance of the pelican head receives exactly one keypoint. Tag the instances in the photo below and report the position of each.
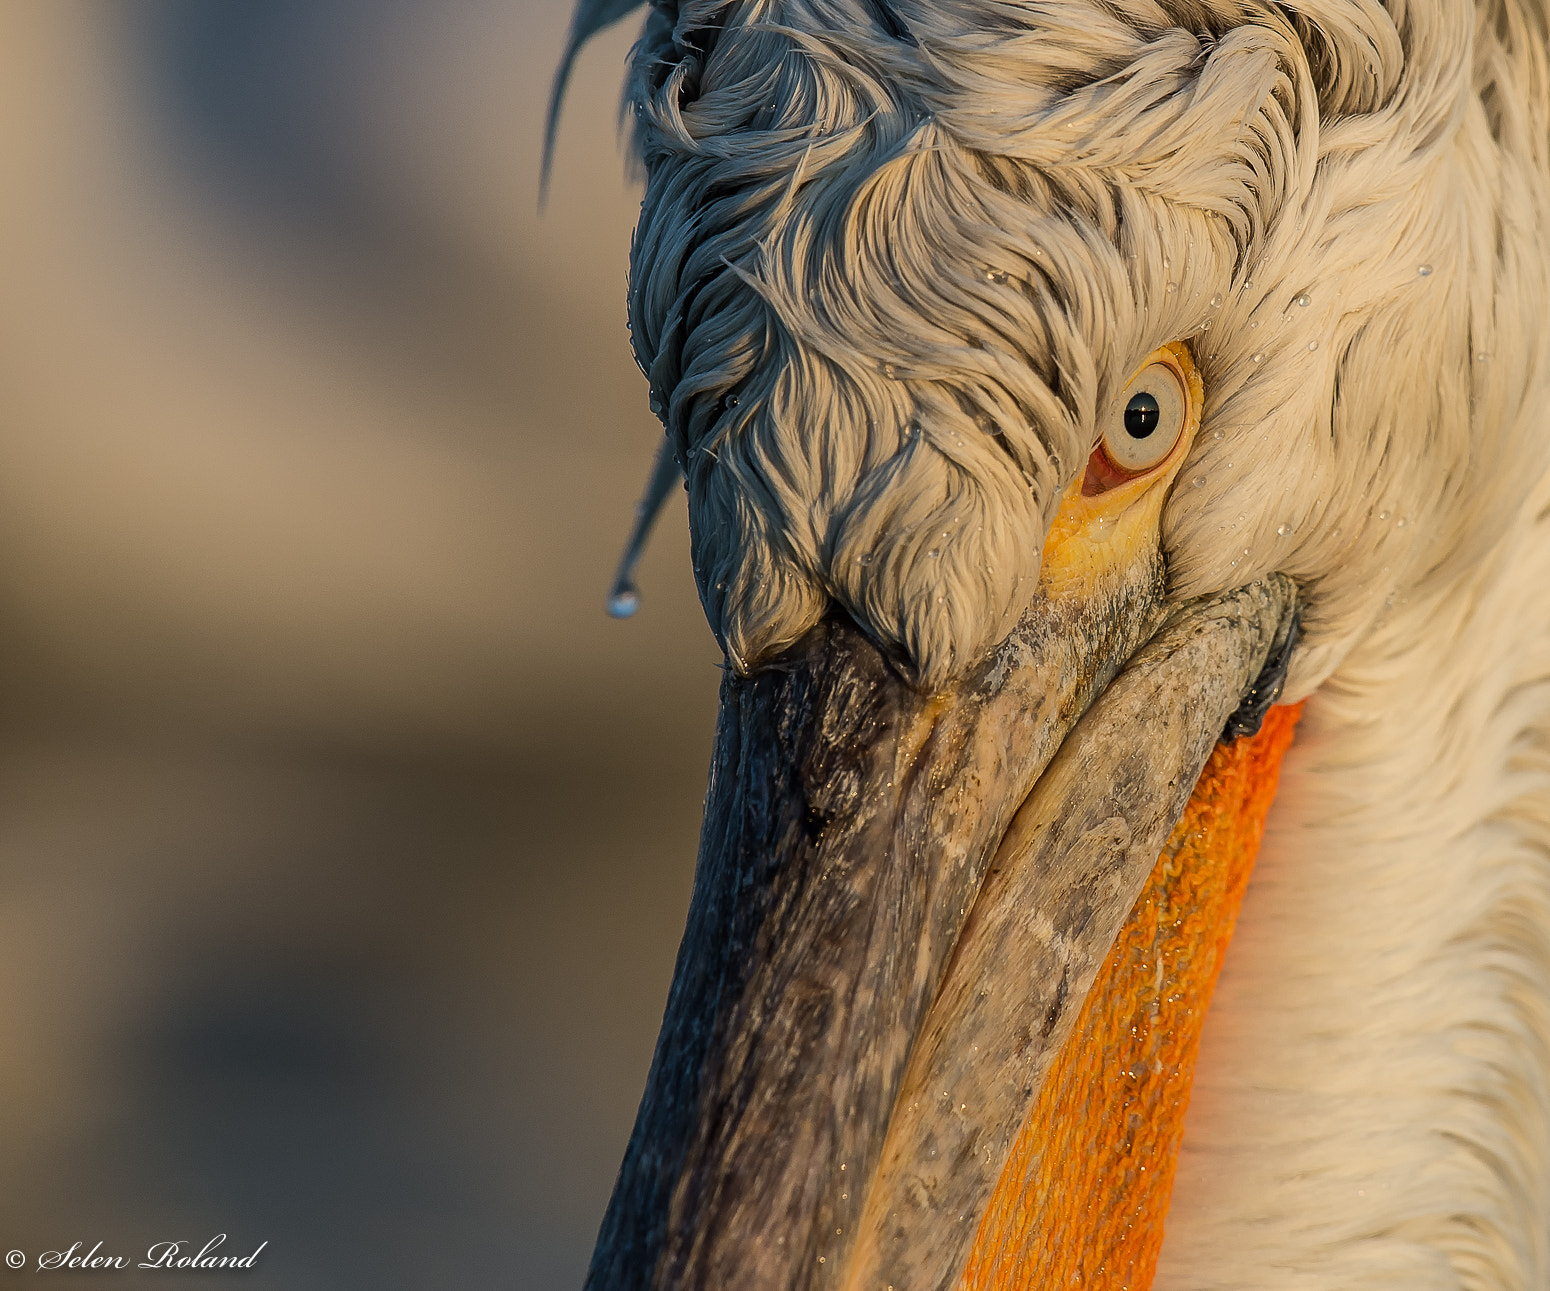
(1056, 386)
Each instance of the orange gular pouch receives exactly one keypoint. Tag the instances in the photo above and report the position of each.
(1083, 1196)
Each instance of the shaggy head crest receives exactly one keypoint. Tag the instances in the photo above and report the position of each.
(892, 261)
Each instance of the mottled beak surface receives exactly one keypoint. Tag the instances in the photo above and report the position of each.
(902, 901)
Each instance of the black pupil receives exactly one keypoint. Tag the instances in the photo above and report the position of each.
(1141, 415)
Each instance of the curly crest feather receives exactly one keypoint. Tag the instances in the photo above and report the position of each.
(881, 289)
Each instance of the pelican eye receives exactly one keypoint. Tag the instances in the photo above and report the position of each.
(1146, 421)
(1143, 432)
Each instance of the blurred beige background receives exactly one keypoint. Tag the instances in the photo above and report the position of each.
(344, 842)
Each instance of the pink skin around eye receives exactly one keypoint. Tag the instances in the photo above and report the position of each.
(1102, 475)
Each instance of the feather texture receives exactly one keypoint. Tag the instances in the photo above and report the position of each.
(591, 17)
(1371, 1105)
(882, 292)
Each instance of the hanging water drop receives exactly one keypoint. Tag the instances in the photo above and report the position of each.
(623, 601)
(1216, 301)
(624, 597)
(1425, 271)
(1383, 515)
(1198, 482)
(1172, 287)
(1258, 357)
(1285, 531)
(1304, 300)
(1313, 345)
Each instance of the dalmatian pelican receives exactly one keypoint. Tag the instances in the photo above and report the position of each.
(1069, 393)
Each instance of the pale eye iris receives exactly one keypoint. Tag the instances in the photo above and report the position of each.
(1146, 420)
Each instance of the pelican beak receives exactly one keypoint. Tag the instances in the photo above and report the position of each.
(901, 905)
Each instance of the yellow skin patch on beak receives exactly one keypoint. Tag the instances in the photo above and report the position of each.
(1107, 520)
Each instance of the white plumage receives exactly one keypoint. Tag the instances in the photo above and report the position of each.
(1371, 1105)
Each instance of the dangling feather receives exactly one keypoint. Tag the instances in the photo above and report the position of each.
(590, 18)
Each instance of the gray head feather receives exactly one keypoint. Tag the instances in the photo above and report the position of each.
(591, 17)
